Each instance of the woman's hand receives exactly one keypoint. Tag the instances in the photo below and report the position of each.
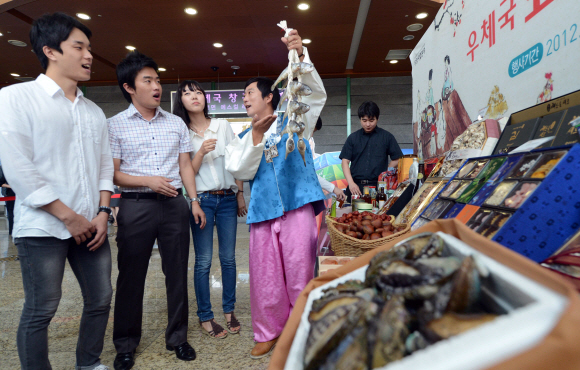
(208, 146)
(242, 210)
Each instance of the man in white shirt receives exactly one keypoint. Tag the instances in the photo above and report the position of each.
(151, 156)
(55, 150)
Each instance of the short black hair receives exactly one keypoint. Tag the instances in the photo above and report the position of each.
(179, 108)
(318, 124)
(369, 109)
(430, 74)
(129, 68)
(265, 87)
(447, 59)
(51, 30)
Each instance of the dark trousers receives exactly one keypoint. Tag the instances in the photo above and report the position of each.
(10, 215)
(42, 261)
(140, 222)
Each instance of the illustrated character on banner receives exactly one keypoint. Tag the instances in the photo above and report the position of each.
(441, 128)
(453, 113)
(448, 83)
(429, 95)
(418, 120)
(496, 105)
(433, 130)
(547, 91)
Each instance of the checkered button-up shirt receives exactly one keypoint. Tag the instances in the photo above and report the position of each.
(149, 148)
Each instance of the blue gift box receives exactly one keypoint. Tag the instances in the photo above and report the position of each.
(550, 215)
(497, 177)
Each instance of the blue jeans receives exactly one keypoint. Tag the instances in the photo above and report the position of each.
(42, 261)
(221, 211)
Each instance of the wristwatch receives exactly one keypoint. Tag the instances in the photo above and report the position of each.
(194, 200)
(107, 210)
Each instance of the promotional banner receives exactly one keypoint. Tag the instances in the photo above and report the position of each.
(227, 101)
(484, 59)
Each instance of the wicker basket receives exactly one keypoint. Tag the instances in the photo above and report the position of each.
(344, 245)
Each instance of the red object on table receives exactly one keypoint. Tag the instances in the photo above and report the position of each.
(390, 177)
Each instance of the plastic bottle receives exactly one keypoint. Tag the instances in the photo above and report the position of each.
(333, 207)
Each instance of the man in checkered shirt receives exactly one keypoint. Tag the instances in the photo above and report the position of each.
(150, 150)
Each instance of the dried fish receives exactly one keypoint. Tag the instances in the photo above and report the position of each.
(299, 88)
(295, 107)
(302, 149)
(289, 146)
(298, 69)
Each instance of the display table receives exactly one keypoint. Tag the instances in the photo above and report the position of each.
(556, 351)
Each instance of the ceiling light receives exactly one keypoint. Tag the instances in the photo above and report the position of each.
(408, 37)
(83, 16)
(190, 11)
(224, 53)
(421, 15)
(129, 47)
(306, 41)
(414, 27)
(394, 61)
(303, 6)
(14, 74)
(17, 43)
(229, 60)
(217, 45)
(1, 34)
(235, 67)
(161, 69)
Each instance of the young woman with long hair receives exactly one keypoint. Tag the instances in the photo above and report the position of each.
(221, 198)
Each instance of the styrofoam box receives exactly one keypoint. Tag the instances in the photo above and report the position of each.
(532, 312)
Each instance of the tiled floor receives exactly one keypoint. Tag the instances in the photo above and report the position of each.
(229, 353)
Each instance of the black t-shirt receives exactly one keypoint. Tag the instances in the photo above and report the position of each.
(369, 153)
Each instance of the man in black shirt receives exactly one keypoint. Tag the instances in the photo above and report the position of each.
(368, 149)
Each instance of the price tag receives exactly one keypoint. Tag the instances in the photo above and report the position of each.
(463, 154)
(532, 144)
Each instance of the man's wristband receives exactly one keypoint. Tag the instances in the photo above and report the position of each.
(105, 209)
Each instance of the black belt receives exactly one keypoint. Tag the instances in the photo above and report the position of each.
(156, 196)
(366, 182)
(220, 192)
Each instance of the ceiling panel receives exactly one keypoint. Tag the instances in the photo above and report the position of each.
(183, 43)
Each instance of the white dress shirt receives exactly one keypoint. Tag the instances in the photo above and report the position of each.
(51, 149)
(212, 174)
(243, 158)
(149, 148)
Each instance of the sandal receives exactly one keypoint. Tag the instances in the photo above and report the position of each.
(216, 328)
(233, 323)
